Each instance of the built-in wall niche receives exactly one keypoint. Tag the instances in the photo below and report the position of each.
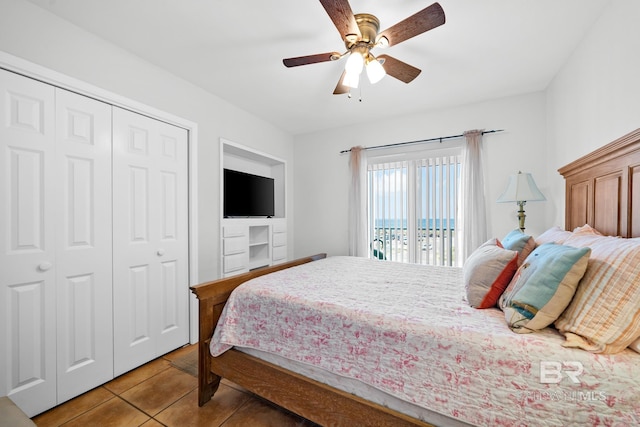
(248, 243)
(244, 159)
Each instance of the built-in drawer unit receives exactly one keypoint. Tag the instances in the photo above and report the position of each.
(250, 243)
(279, 254)
(235, 249)
(234, 230)
(279, 239)
(279, 242)
(235, 263)
(234, 245)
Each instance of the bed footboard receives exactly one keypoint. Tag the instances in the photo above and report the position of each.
(212, 297)
(308, 398)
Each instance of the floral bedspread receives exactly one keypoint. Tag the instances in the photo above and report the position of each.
(408, 331)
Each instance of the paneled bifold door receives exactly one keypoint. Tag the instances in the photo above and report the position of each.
(27, 234)
(83, 236)
(93, 277)
(150, 238)
(55, 262)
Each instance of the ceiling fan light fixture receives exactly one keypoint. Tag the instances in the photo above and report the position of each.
(355, 63)
(351, 38)
(382, 42)
(351, 79)
(360, 33)
(375, 71)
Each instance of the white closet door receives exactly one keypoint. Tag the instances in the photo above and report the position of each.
(150, 239)
(83, 244)
(27, 234)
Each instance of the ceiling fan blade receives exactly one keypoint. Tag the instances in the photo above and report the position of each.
(341, 87)
(425, 20)
(309, 59)
(398, 69)
(340, 13)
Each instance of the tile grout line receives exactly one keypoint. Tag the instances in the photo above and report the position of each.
(142, 382)
(114, 396)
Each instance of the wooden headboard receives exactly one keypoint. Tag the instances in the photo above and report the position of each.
(603, 188)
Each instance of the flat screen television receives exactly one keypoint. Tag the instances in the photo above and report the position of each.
(247, 195)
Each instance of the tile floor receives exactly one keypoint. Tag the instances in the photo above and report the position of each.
(164, 392)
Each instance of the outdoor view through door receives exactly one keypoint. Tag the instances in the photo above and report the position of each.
(412, 208)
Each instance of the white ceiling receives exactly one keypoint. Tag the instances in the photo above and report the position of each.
(487, 49)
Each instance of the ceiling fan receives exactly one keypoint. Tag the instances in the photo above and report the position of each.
(360, 34)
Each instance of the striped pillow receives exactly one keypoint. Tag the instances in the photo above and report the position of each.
(543, 286)
(553, 235)
(604, 315)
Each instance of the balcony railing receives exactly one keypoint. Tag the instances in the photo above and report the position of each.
(434, 246)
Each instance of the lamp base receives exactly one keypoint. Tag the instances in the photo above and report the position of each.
(521, 215)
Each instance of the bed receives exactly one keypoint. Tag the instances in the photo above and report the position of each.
(431, 358)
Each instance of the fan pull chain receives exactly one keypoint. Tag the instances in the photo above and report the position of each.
(359, 95)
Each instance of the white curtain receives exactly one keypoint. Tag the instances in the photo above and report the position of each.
(473, 230)
(358, 203)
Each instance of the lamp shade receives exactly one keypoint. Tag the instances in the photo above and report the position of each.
(355, 63)
(375, 71)
(521, 188)
(351, 79)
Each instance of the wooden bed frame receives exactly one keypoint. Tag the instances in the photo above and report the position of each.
(602, 188)
(310, 399)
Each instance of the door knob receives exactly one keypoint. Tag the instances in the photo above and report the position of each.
(44, 266)
(160, 252)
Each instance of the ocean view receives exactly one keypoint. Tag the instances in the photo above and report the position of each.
(402, 223)
(434, 244)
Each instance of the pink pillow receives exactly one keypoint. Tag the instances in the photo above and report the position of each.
(487, 272)
(553, 235)
(586, 230)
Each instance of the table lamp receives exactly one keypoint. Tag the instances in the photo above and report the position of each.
(521, 189)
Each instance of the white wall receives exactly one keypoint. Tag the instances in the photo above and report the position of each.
(36, 35)
(595, 98)
(321, 174)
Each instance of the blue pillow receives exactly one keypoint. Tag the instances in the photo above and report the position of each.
(543, 286)
(522, 243)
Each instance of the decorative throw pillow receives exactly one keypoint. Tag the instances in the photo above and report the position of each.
(635, 346)
(586, 229)
(553, 235)
(543, 286)
(604, 314)
(487, 272)
(522, 243)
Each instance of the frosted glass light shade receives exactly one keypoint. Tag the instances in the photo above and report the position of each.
(375, 71)
(354, 64)
(521, 188)
(351, 79)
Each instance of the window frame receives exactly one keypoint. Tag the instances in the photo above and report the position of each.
(414, 156)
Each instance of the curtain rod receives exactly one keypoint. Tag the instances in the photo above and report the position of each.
(421, 140)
